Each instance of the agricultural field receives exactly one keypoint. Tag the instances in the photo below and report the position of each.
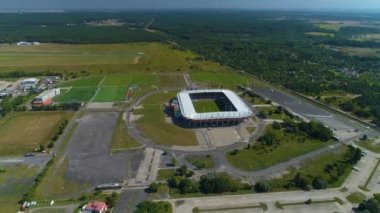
(361, 52)
(14, 182)
(24, 131)
(320, 34)
(202, 106)
(328, 26)
(290, 146)
(219, 79)
(367, 37)
(103, 58)
(152, 123)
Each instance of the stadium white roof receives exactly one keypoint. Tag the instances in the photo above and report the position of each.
(188, 110)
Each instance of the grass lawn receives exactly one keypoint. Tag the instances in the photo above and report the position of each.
(370, 145)
(356, 197)
(201, 162)
(103, 58)
(315, 167)
(361, 51)
(271, 114)
(14, 182)
(290, 147)
(201, 106)
(91, 81)
(24, 131)
(111, 94)
(80, 94)
(126, 79)
(165, 174)
(55, 186)
(49, 210)
(121, 138)
(216, 79)
(152, 123)
(171, 81)
(314, 33)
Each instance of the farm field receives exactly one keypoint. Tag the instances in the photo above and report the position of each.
(14, 182)
(361, 52)
(219, 79)
(320, 34)
(24, 131)
(153, 125)
(289, 147)
(102, 58)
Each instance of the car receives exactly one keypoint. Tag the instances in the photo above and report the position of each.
(30, 155)
(356, 168)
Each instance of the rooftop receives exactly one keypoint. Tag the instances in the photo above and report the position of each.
(188, 111)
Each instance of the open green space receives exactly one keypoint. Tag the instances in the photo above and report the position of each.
(314, 33)
(171, 81)
(165, 174)
(77, 94)
(289, 146)
(55, 186)
(316, 167)
(202, 106)
(356, 197)
(361, 51)
(121, 139)
(272, 113)
(24, 131)
(111, 94)
(50, 210)
(103, 58)
(201, 162)
(328, 26)
(219, 79)
(91, 81)
(369, 144)
(14, 182)
(152, 122)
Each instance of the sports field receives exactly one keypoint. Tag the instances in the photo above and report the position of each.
(24, 131)
(202, 106)
(152, 123)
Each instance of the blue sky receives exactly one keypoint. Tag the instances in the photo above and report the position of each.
(154, 4)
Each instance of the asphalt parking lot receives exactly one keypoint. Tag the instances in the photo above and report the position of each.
(309, 111)
(89, 156)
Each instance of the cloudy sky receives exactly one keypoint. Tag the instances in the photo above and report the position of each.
(156, 4)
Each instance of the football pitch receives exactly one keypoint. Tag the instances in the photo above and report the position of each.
(202, 106)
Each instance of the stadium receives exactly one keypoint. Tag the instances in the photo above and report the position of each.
(213, 106)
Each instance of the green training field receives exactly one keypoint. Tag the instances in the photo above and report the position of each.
(202, 106)
(91, 81)
(110, 94)
(24, 131)
(80, 94)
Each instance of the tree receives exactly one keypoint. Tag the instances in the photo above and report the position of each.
(302, 181)
(111, 200)
(42, 147)
(262, 186)
(153, 187)
(153, 207)
(187, 186)
(371, 205)
(182, 171)
(319, 183)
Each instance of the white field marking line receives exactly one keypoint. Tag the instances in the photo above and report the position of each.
(101, 82)
(318, 116)
(97, 90)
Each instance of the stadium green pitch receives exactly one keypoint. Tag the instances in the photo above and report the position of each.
(202, 106)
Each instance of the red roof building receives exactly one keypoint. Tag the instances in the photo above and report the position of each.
(95, 207)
